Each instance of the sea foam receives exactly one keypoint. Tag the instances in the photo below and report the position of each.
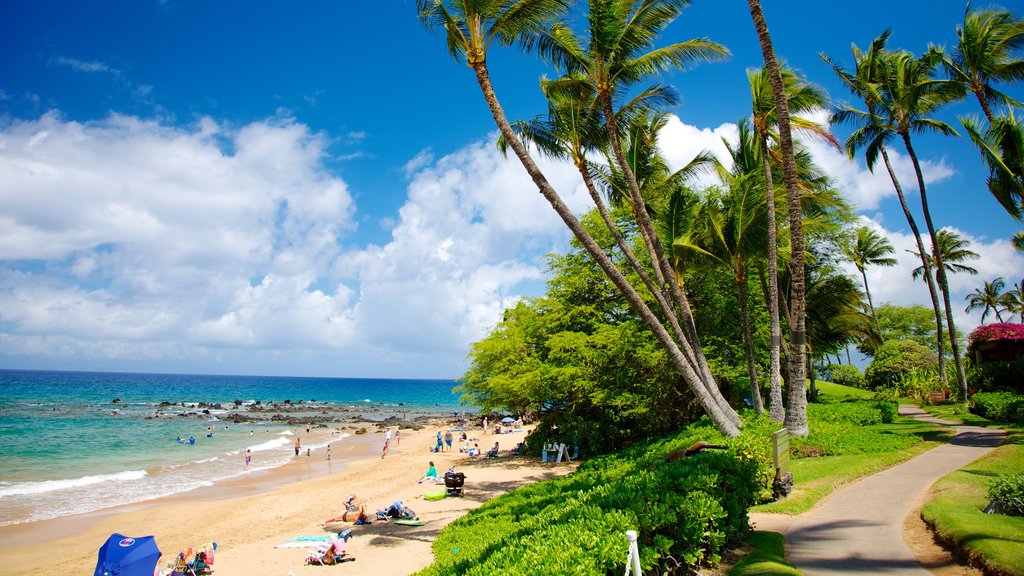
(55, 485)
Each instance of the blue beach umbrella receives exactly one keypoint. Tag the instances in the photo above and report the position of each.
(121, 555)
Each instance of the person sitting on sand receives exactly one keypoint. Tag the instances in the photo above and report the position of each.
(475, 450)
(431, 474)
(355, 511)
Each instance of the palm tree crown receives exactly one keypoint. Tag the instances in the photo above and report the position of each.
(987, 298)
(953, 251)
(989, 43)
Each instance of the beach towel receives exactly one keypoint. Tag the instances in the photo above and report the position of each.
(304, 542)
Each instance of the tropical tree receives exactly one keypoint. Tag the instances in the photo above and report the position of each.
(954, 250)
(802, 97)
(1018, 241)
(987, 298)
(796, 415)
(1002, 147)
(1013, 300)
(989, 43)
(729, 229)
(911, 95)
(869, 248)
(835, 316)
(872, 134)
(471, 27)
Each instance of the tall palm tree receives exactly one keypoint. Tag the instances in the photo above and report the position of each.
(989, 44)
(1018, 241)
(729, 230)
(835, 315)
(796, 416)
(954, 250)
(1002, 147)
(802, 97)
(471, 27)
(618, 54)
(872, 135)
(911, 95)
(869, 248)
(987, 298)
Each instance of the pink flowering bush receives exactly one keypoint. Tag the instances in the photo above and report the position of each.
(995, 332)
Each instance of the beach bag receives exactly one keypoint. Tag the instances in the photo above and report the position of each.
(399, 511)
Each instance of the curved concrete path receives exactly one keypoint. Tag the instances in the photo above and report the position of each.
(858, 529)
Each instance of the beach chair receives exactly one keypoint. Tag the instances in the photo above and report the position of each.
(181, 566)
(493, 452)
(203, 559)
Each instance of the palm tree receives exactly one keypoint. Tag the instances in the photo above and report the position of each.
(1002, 147)
(617, 55)
(835, 315)
(1013, 300)
(869, 248)
(796, 416)
(1018, 241)
(471, 27)
(911, 94)
(802, 97)
(872, 135)
(729, 230)
(987, 298)
(954, 251)
(988, 43)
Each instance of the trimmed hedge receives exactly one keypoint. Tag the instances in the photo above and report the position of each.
(1000, 406)
(685, 513)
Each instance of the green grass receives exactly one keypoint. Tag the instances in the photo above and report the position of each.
(768, 557)
(816, 478)
(829, 392)
(993, 541)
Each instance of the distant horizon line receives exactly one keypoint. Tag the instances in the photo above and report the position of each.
(142, 373)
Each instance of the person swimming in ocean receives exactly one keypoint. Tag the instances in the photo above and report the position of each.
(191, 440)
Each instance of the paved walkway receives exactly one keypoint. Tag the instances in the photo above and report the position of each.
(859, 528)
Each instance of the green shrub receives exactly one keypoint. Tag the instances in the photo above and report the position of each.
(888, 410)
(849, 428)
(1001, 406)
(996, 376)
(845, 374)
(895, 359)
(1007, 495)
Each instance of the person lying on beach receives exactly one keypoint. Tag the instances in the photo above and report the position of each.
(355, 511)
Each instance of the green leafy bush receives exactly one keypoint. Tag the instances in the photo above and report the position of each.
(995, 376)
(684, 511)
(895, 359)
(1007, 495)
(1001, 406)
(845, 374)
(850, 428)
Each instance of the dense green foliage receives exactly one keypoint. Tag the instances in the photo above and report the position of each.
(845, 375)
(895, 359)
(999, 406)
(994, 376)
(685, 511)
(1007, 494)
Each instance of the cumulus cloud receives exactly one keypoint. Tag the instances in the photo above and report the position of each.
(129, 239)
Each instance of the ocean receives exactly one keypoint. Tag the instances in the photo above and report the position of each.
(74, 442)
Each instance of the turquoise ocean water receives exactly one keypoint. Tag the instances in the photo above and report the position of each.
(67, 448)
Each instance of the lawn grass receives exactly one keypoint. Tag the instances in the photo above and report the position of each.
(816, 478)
(829, 392)
(768, 557)
(993, 541)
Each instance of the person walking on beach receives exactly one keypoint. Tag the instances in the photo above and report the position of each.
(298, 446)
(387, 435)
(398, 437)
(485, 424)
(309, 452)
(440, 442)
(384, 451)
(248, 458)
(448, 439)
(328, 452)
(307, 428)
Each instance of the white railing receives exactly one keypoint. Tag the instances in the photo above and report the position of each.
(633, 559)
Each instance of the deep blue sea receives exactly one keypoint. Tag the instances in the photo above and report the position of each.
(66, 447)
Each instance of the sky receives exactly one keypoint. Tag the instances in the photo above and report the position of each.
(312, 188)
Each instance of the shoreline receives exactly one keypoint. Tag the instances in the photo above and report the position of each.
(251, 514)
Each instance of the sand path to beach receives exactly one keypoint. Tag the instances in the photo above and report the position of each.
(247, 528)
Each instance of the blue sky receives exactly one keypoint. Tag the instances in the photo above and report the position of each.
(311, 188)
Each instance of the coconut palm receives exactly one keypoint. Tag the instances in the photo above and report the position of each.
(1013, 300)
(954, 251)
(616, 55)
(872, 134)
(1018, 241)
(729, 230)
(835, 315)
(989, 44)
(1002, 147)
(987, 299)
(802, 97)
(869, 248)
(796, 416)
(471, 27)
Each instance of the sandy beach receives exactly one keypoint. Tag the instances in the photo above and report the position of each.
(249, 516)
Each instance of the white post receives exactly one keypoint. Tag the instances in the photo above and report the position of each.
(634, 554)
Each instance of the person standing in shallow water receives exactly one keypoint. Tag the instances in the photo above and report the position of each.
(298, 446)
(248, 458)
(328, 452)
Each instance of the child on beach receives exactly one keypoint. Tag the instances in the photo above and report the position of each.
(248, 458)
(328, 452)
(309, 452)
(398, 437)
(384, 451)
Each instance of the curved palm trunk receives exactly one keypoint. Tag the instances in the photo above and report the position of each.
(979, 91)
(748, 342)
(775, 409)
(796, 415)
(722, 420)
(659, 260)
(867, 292)
(940, 275)
(925, 263)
